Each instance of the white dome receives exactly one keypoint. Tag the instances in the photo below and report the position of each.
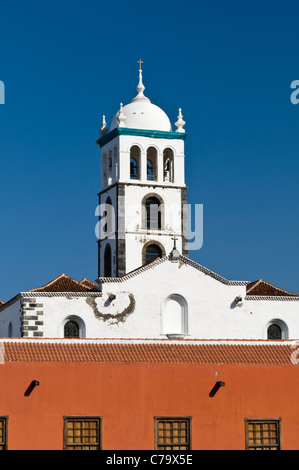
(143, 115)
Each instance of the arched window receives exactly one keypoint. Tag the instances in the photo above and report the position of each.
(107, 261)
(108, 216)
(151, 164)
(277, 329)
(71, 329)
(153, 213)
(104, 171)
(175, 316)
(110, 168)
(135, 162)
(274, 332)
(10, 330)
(168, 165)
(134, 169)
(115, 165)
(152, 252)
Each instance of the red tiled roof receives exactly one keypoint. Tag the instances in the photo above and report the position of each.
(261, 287)
(148, 352)
(64, 283)
(90, 284)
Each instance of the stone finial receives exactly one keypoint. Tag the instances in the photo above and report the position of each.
(140, 87)
(103, 129)
(180, 123)
(121, 117)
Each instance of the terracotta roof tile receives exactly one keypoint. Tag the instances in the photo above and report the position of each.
(1, 303)
(64, 283)
(261, 287)
(148, 352)
(90, 284)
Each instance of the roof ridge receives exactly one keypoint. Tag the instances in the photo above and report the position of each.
(182, 258)
(254, 284)
(134, 272)
(210, 272)
(86, 280)
(69, 284)
(53, 280)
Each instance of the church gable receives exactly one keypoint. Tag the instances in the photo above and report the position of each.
(180, 260)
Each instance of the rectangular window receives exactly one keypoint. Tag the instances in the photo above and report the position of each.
(82, 433)
(3, 433)
(173, 433)
(263, 434)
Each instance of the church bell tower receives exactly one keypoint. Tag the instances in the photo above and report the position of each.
(143, 194)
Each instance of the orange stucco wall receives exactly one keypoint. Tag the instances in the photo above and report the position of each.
(128, 396)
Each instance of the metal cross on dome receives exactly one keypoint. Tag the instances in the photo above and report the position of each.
(140, 62)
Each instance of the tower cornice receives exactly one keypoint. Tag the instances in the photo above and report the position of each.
(139, 132)
(142, 184)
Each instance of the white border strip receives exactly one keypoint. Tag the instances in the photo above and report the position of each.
(198, 342)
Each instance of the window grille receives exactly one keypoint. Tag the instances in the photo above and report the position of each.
(71, 329)
(3, 433)
(173, 434)
(263, 434)
(274, 332)
(82, 433)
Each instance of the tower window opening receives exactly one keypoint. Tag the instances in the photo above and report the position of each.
(103, 224)
(168, 166)
(108, 217)
(151, 164)
(134, 169)
(135, 163)
(110, 168)
(104, 171)
(152, 252)
(151, 176)
(115, 165)
(153, 213)
(107, 261)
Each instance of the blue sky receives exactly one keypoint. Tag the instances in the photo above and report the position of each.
(229, 65)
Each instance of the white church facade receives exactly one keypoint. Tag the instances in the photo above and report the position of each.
(147, 285)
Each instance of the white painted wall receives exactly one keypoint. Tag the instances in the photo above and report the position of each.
(11, 315)
(212, 313)
(208, 304)
(137, 234)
